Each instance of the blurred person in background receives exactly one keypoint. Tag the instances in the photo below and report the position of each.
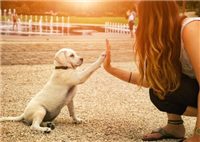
(15, 17)
(131, 20)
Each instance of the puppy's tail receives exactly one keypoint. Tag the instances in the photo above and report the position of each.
(18, 118)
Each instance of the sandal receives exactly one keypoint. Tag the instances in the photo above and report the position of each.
(182, 140)
(164, 134)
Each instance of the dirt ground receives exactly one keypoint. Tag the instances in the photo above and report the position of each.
(113, 110)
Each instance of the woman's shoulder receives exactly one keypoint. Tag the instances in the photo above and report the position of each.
(190, 20)
(190, 30)
(190, 24)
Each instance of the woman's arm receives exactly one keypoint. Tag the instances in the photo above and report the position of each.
(131, 77)
(191, 39)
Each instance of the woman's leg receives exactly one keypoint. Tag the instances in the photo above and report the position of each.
(175, 130)
(183, 101)
(190, 111)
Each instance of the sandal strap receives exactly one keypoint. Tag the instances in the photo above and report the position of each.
(175, 122)
(162, 132)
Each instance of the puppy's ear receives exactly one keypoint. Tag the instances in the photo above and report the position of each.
(61, 58)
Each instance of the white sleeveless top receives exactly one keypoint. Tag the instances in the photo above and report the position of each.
(184, 59)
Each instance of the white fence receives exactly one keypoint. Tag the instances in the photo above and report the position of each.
(117, 28)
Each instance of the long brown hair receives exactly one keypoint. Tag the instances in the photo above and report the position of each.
(158, 45)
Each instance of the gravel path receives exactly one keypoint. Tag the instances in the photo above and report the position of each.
(113, 110)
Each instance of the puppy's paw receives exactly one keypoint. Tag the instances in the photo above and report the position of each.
(78, 121)
(103, 55)
(50, 125)
(48, 130)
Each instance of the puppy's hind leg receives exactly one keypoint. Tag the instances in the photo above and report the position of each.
(37, 120)
(70, 106)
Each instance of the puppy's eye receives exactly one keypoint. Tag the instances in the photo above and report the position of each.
(72, 55)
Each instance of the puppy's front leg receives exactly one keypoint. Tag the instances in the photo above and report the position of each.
(83, 76)
(70, 106)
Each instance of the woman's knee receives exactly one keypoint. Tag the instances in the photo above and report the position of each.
(166, 106)
(159, 104)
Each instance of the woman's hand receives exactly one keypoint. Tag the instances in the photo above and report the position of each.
(127, 76)
(107, 60)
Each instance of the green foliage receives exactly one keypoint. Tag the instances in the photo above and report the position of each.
(192, 5)
(94, 9)
(189, 5)
(197, 12)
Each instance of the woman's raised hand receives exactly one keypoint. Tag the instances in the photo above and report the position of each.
(107, 60)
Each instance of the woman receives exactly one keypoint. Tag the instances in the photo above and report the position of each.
(168, 50)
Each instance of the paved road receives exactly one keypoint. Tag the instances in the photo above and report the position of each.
(18, 50)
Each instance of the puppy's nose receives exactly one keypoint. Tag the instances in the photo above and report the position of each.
(81, 59)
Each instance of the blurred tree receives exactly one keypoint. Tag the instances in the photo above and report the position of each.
(192, 4)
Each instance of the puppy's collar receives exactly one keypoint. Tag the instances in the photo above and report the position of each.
(62, 67)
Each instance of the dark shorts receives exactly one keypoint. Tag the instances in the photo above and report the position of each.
(177, 101)
(130, 25)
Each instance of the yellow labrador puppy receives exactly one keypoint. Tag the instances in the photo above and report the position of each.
(58, 92)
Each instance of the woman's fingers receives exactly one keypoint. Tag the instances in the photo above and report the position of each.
(107, 59)
(108, 47)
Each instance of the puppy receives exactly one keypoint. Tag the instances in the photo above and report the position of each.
(58, 92)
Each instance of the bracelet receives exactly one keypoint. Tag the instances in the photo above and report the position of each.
(197, 130)
(130, 77)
